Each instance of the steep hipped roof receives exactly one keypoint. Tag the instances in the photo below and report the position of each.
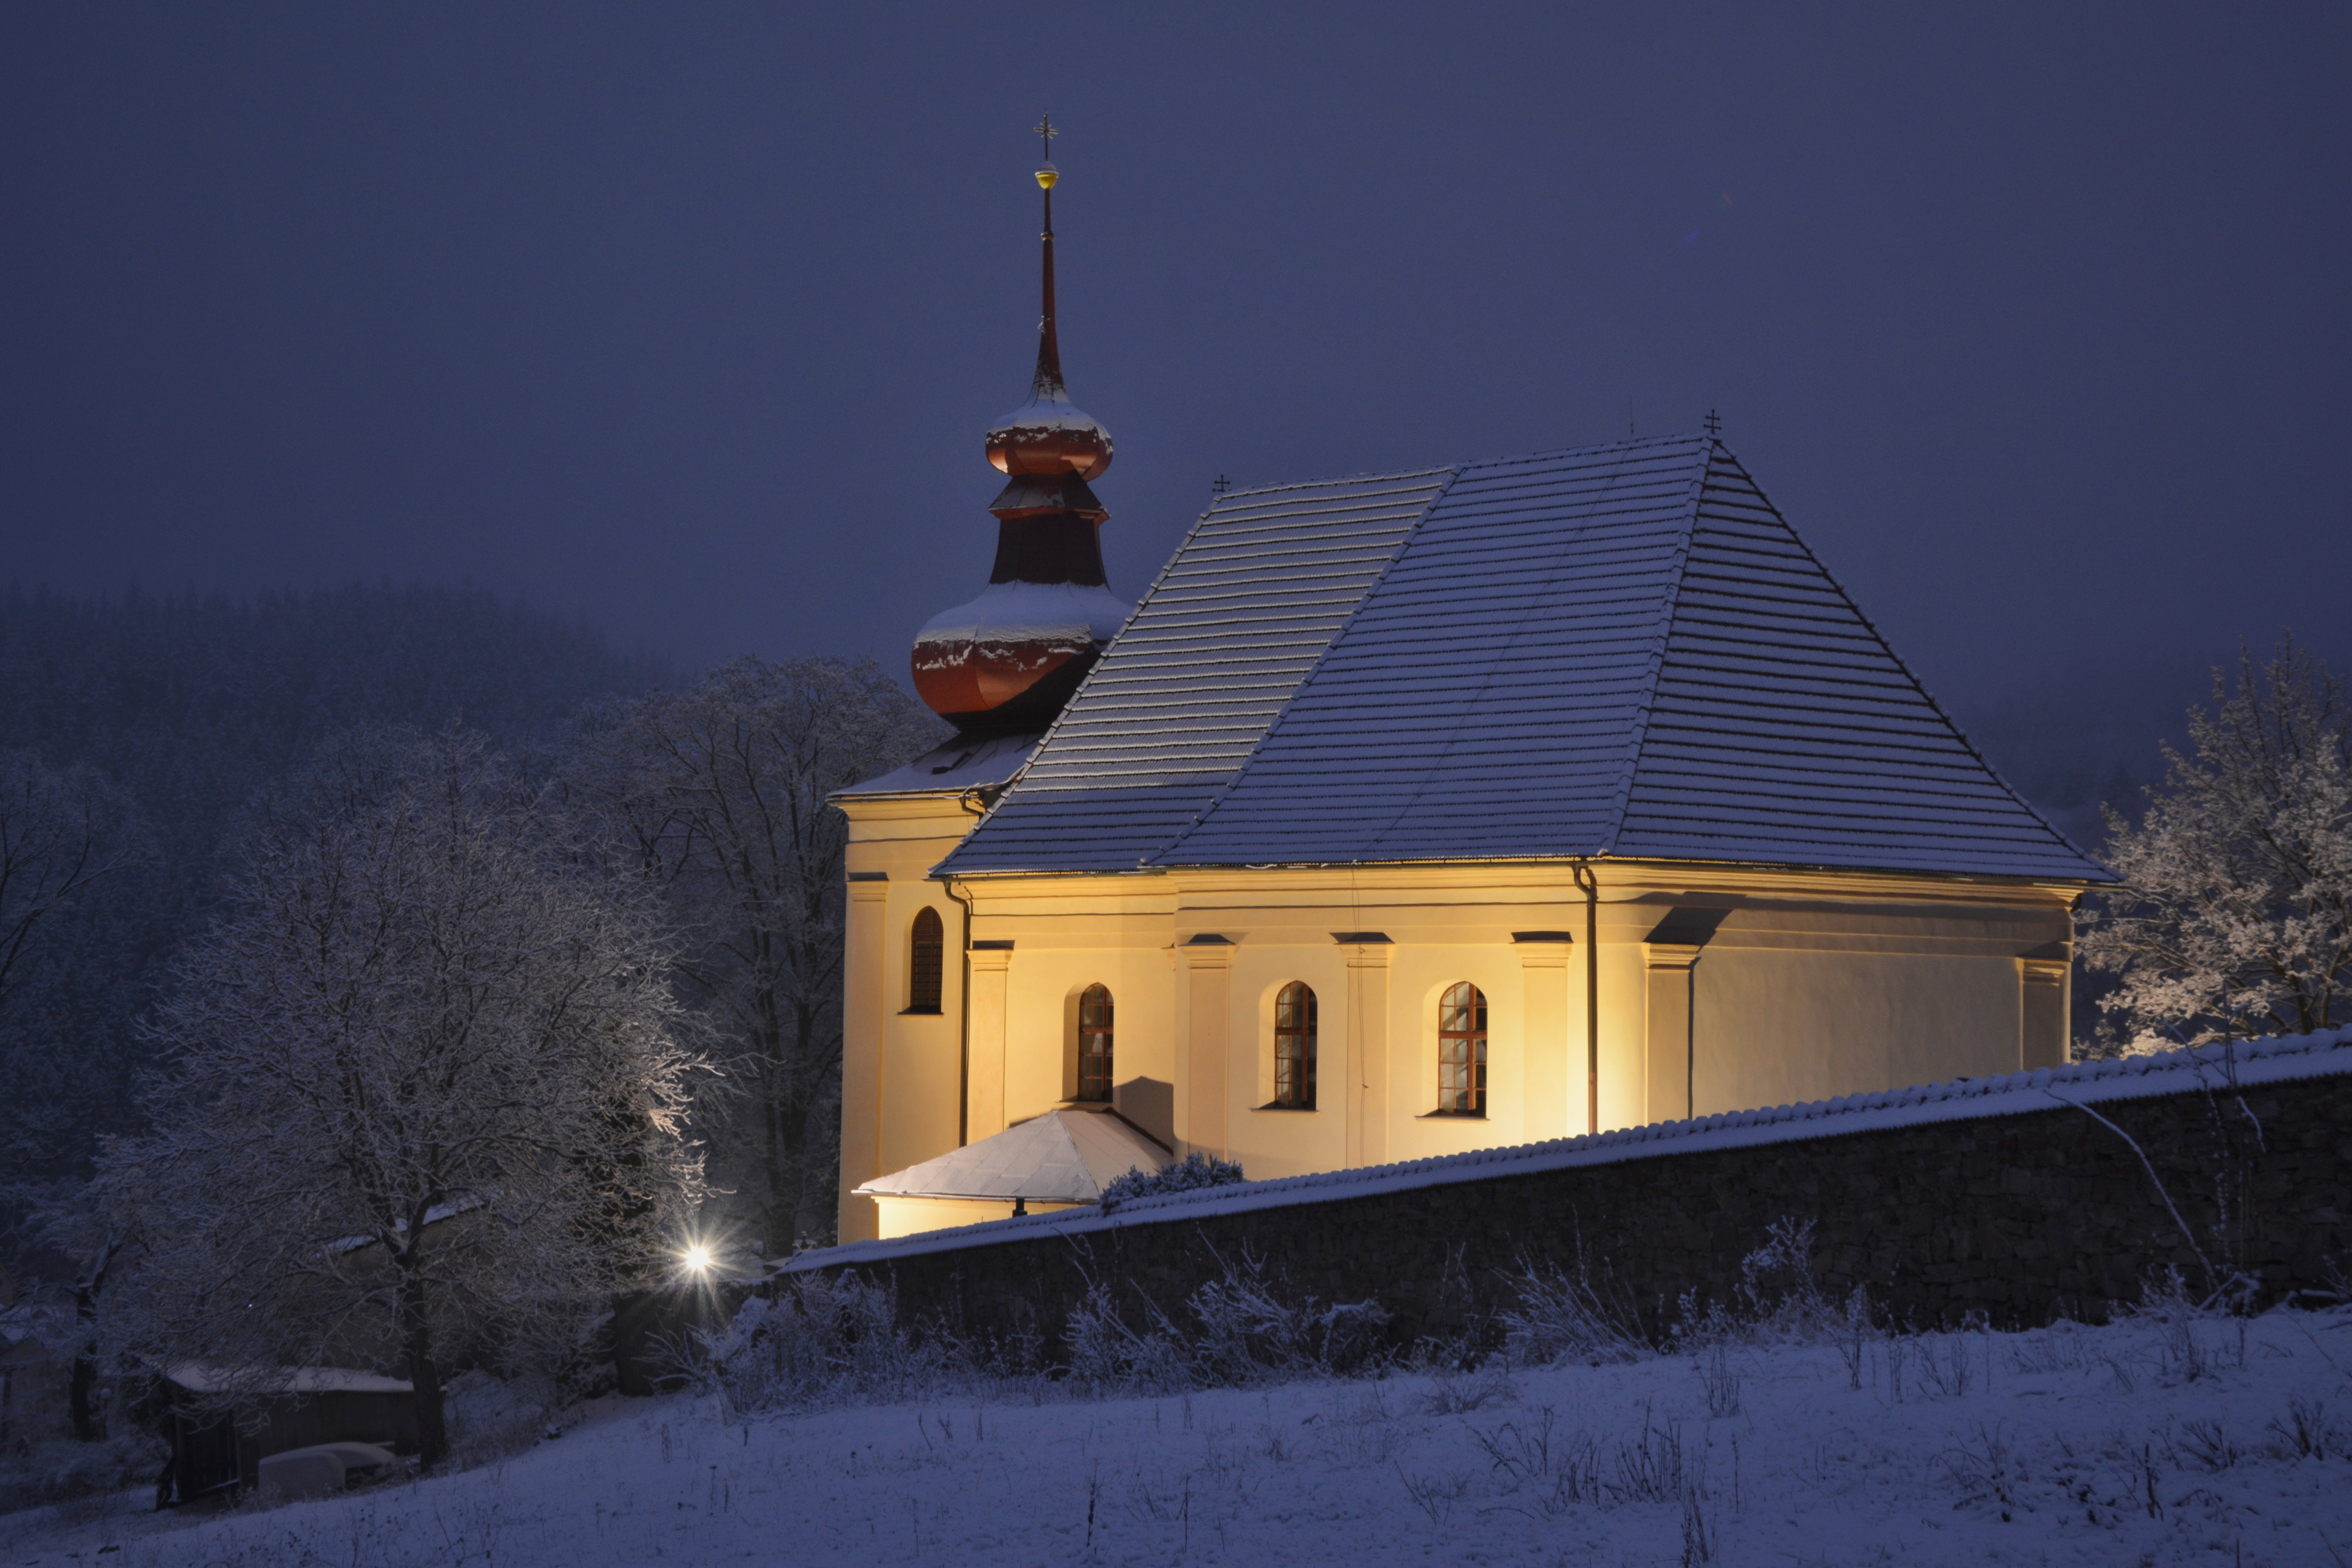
(1238, 617)
(1615, 650)
(1061, 1157)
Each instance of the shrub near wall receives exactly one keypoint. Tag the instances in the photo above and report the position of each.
(2026, 1199)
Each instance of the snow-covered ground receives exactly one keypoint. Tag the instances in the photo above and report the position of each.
(2142, 1442)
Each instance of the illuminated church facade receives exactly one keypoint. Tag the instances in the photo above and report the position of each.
(1410, 814)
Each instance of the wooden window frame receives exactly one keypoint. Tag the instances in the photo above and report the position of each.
(1294, 1049)
(1462, 1051)
(919, 982)
(1098, 1070)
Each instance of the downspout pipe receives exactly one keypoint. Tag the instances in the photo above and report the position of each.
(963, 1029)
(1591, 886)
(976, 800)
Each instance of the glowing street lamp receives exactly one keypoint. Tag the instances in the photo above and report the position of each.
(697, 1258)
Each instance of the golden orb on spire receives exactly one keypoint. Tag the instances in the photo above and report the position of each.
(1046, 176)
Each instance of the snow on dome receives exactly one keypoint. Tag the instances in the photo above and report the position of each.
(1005, 662)
(1053, 613)
(1049, 435)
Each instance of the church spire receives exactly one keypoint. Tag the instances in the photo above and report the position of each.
(1045, 439)
(1047, 384)
(1007, 661)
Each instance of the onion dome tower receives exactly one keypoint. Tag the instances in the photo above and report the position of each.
(1004, 663)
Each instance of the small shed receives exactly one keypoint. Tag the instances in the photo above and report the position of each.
(219, 1436)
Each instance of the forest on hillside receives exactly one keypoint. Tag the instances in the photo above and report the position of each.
(152, 746)
(140, 727)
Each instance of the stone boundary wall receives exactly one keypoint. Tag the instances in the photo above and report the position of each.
(2030, 1208)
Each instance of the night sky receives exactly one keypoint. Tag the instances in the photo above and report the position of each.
(2031, 319)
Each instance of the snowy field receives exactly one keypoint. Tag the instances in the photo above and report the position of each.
(2159, 1440)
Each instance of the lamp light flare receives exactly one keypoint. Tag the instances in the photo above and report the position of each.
(697, 1258)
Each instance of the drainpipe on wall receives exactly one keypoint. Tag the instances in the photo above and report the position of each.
(1591, 886)
(963, 1030)
(978, 800)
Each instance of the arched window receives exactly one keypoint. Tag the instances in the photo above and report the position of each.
(926, 946)
(1462, 1051)
(1093, 1042)
(1294, 1047)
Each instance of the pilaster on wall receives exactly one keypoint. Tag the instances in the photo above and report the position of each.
(1207, 1079)
(1544, 1048)
(992, 963)
(862, 1012)
(1366, 1067)
(1667, 1043)
(2042, 1012)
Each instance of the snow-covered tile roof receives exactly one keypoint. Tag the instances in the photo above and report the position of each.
(2246, 1064)
(198, 1378)
(1062, 1157)
(1246, 605)
(957, 764)
(1613, 650)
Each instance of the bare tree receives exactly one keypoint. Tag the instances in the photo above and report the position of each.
(2235, 915)
(717, 796)
(425, 1087)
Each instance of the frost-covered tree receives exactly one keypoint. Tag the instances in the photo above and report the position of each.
(425, 1087)
(157, 720)
(2236, 913)
(716, 796)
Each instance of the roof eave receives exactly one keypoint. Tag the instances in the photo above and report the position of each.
(2016, 879)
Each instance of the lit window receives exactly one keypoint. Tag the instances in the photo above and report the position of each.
(1093, 1042)
(1294, 1048)
(1462, 1051)
(926, 946)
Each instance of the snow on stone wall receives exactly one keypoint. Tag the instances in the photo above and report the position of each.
(2023, 1196)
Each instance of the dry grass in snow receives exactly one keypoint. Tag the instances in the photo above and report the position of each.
(2171, 1437)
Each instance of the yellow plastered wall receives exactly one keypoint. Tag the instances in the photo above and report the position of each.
(901, 1074)
(910, 1216)
(1809, 986)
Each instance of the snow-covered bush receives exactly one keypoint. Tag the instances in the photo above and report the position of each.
(1776, 1301)
(1241, 1333)
(1561, 1316)
(32, 1473)
(490, 1417)
(1194, 1170)
(2188, 1338)
(817, 1341)
(1107, 1356)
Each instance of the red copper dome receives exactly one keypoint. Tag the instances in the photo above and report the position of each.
(1049, 435)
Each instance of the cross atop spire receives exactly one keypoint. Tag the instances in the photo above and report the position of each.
(1045, 133)
(1048, 380)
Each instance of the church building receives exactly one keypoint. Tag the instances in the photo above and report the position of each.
(1409, 814)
